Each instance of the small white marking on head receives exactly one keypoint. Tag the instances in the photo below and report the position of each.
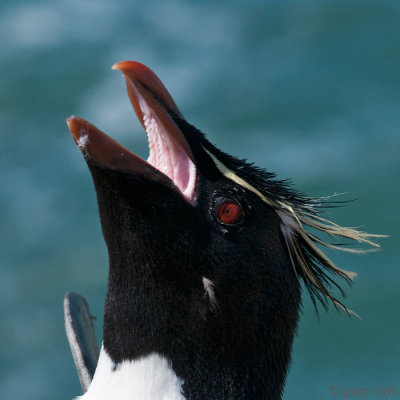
(209, 289)
(148, 378)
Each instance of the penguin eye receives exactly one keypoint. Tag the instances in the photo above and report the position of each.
(228, 211)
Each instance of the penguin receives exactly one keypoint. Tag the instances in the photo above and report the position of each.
(207, 253)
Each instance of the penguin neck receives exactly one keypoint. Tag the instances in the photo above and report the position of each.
(148, 323)
(142, 310)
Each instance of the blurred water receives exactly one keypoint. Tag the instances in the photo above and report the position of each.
(308, 89)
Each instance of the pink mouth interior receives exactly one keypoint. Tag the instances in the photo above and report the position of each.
(167, 156)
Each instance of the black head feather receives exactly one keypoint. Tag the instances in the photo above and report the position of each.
(298, 213)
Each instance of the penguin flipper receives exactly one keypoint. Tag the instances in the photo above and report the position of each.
(81, 337)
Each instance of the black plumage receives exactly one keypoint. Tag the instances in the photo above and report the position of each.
(219, 300)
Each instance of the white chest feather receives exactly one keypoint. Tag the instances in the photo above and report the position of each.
(149, 378)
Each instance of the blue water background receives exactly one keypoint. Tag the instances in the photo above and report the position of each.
(309, 89)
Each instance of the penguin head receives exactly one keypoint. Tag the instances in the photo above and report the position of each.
(206, 250)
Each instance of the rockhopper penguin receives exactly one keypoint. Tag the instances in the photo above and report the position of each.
(206, 254)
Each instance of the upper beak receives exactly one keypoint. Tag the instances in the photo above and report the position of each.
(148, 94)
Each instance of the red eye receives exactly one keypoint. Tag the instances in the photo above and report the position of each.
(229, 212)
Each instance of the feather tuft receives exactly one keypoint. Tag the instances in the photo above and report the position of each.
(313, 264)
(297, 212)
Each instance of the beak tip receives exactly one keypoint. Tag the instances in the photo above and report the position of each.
(115, 66)
(125, 65)
(76, 126)
(70, 120)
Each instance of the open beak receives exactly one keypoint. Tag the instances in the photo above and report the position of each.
(170, 160)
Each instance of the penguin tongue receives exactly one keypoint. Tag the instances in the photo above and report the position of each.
(170, 160)
(169, 151)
